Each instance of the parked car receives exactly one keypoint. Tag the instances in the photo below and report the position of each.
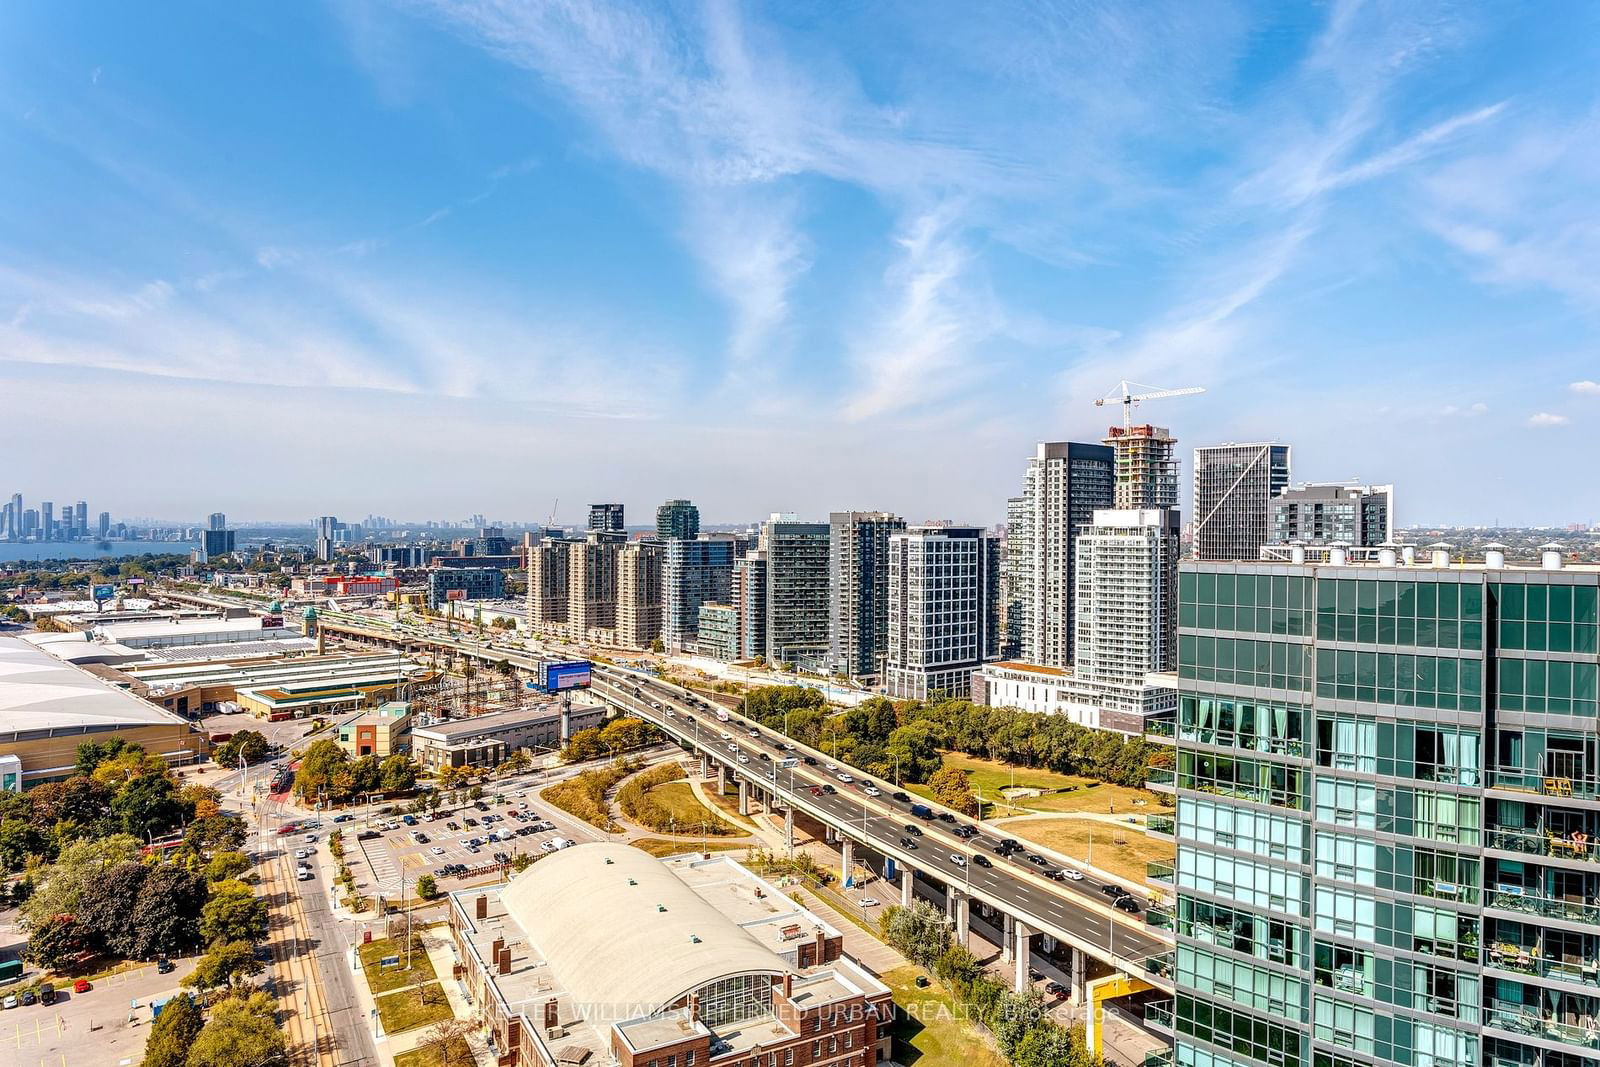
(81, 986)
(164, 966)
(9, 1002)
(29, 998)
(47, 994)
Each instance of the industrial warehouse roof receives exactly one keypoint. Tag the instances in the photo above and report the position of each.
(620, 928)
(39, 692)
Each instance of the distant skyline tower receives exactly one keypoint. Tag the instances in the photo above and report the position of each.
(217, 521)
(103, 527)
(858, 590)
(1147, 467)
(677, 520)
(1234, 485)
(797, 591)
(1065, 484)
(606, 518)
(80, 519)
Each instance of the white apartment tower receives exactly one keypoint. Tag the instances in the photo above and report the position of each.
(639, 606)
(944, 610)
(1066, 482)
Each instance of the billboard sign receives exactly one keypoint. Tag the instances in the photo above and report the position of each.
(455, 594)
(573, 675)
(102, 593)
(271, 622)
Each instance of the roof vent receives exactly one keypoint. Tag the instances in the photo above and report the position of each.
(1439, 553)
(1494, 556)
(1297, 552)
(1387, 556)
(1550, 556)
(1408, 554)
(1338, 553)
(661, 907)
(694, 939)
(632, 881)
(609, 861)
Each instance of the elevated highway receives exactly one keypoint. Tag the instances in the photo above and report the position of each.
(1075, 913)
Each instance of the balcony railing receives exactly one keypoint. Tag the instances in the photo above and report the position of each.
(1524, 959)
(1160, 777)
(1572, 911)
(1161, 1057)
(1160, 728)
(1159, 917)
(1158, 872)
(1544, 843)
(1527, 1019)
(1161, 824)
(1276, 746)
(1159, 1013)
(1159, 965)
(1546, 785)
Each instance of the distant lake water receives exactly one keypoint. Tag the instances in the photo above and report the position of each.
(87, 549)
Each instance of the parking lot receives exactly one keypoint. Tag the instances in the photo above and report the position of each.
(454, 845)
(103, 1027)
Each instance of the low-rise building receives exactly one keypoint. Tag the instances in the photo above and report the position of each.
(48, 708)
(465, 583)
(486, 740)
(601, 955)
(383, 731)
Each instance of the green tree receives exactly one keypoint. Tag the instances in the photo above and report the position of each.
(219, 833)
(226, 865)
(166, 915)
(224, 964)
(913, 750)
(583, 745)
(56, 942)
(320, 765)
(147, 805)
(173, 1033)
(59, 888)
(397, 773)
(427, 888)
(233, 913)
(19, 841)
(952, 789)
(626, 734)
(104, 909)
(91, 754)
(919, 931)
(243, 1032)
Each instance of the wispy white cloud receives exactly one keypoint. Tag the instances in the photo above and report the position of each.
(1586, 388)
(1545, 418)
(1468, 411)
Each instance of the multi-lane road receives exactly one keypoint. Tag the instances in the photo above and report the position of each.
(1077, 913)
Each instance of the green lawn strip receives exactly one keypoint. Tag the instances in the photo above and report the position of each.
(931, 1029)
(677, 846)
(381, 979)
(411, 1008)
(679, 800)
(429, 1056)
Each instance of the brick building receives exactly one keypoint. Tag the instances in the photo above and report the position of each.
(604, 956)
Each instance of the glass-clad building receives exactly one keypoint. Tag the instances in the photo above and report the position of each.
(1388, 797)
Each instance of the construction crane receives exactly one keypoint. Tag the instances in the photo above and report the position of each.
(1125, 393)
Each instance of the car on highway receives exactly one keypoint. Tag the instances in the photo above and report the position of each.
(1037, 860)
(981, 860)
(958, 859)
(815, 790)
(1112, 890)
(913, 829)
(1072, 874)
(810, 761)
(743, 758)
(845, 778)
(901, 797)
(830, 767)
(908, 843)
(764, 756)
(871, 791)
(1127, 904)
(829, 789)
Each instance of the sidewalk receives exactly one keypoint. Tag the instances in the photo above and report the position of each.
(442, 955)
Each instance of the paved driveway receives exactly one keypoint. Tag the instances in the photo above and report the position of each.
(92, 1029)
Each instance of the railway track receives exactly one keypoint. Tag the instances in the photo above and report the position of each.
(305, 1010)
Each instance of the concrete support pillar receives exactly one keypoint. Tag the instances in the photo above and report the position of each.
(1077, 988)
(1007, 937)
(1021, 954)
(847, 861)
(744, 797)
(705, 765)
(907, 879)
(788, 829)
(963, 916)
(722, 779)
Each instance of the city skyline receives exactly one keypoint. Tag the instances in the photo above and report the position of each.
(1357, 226)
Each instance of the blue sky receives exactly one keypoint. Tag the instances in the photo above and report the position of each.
(465, 256)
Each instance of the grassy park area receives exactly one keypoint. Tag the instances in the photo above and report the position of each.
(1058, 792)
(383, 979)
(930, 1028)
(456, 1053)
(677, 846)
(1119, 850)
(411, 1008)
(678, 799)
